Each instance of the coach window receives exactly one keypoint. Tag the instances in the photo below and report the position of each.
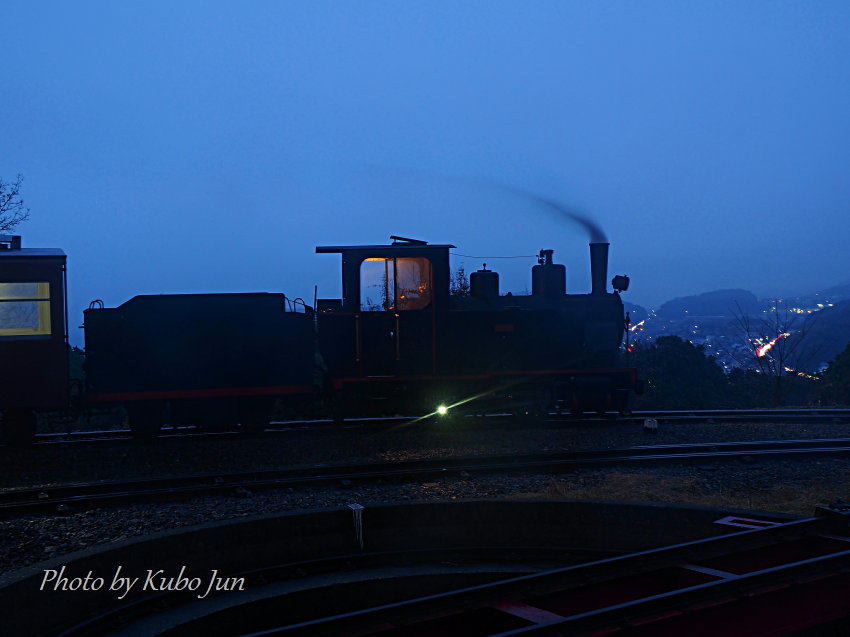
(402, 283)
(24, 309)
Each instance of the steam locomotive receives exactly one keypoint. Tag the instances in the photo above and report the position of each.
(399, 341)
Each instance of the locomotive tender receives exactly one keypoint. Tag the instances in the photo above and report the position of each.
(397, 342)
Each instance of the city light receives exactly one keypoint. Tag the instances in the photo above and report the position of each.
(802, 374)
(764, 349)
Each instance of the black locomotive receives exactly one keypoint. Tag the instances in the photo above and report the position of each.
(397, 342)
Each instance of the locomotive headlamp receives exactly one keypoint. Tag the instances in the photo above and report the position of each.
(620, 283)
(442, 410)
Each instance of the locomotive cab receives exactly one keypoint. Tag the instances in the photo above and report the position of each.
(385, 323)
(405, 275)
(33, 335)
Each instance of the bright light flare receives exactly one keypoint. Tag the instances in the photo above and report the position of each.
(764, 349)
(442, 410)
(637, 325)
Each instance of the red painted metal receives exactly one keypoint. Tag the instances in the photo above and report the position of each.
(220, 392)
(531, 613)
(631, 374)
(746, 523)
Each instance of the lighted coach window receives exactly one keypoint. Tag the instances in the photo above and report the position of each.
(402, 283)
(25, 309)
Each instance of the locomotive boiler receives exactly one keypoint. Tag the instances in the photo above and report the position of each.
(398, 339)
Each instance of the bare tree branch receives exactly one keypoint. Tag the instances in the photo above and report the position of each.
(12, 208)
(776, 342)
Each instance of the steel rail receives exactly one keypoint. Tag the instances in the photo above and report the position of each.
(747, 415)
(61, 498)
(832, 415)
(696, 600)
(523, 559)
(600, 612)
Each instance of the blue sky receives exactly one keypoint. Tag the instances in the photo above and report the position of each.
(210, 146)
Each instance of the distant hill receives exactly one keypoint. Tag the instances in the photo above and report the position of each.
(717, 303)
(830, 295)
(827, 334)
(637, 313)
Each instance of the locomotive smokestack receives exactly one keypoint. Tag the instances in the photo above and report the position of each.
(598, 267)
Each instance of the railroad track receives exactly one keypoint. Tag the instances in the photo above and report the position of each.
(113, 435)
(747, 415)
(494, 420)
(70, 497)
(490, 564)
(746, 575)
(773, 579)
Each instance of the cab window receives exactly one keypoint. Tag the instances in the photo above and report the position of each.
(25, 309)
(401, 283)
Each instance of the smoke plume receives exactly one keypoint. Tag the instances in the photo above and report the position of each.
(596, 234)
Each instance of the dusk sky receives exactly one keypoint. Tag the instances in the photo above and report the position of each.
(210, 146)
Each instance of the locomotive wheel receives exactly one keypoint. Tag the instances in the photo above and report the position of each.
(449, 419)
(531, 406)
(145, 419)
(254, 415)
(530, 416)
(253, 424)
(531, 413)
(342, 404)
(18, 427)
(337, 413)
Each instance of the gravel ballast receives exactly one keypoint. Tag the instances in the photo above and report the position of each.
(789, 486)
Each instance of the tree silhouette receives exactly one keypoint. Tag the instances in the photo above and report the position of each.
(836, 379)
(679, 375)
(460, 282)
(775, 344)
(12, 208)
